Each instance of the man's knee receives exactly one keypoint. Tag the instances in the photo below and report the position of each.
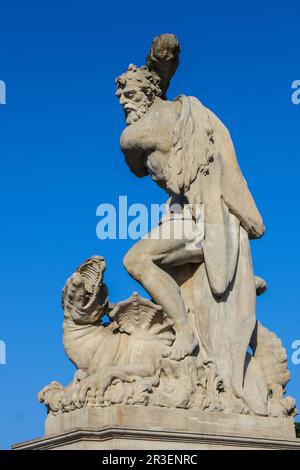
(136, 262)
(128, 262)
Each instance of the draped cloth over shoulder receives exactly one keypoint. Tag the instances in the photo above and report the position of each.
(203, 167)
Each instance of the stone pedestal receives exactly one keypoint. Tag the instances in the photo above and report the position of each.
(153, 428)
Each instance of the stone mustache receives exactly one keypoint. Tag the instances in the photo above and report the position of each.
(197, 343)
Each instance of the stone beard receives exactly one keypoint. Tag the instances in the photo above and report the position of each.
(136, 105)
(141, 109)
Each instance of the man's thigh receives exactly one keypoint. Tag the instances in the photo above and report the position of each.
(168, 244)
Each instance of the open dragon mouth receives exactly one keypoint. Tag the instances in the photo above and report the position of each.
(92, 272)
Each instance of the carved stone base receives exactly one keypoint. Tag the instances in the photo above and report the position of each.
(154, 428)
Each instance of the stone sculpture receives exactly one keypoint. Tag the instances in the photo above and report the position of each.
(197, 343)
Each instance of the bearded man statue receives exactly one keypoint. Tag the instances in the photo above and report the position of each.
(204, 278)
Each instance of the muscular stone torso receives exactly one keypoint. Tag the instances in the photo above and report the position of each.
(146, 143)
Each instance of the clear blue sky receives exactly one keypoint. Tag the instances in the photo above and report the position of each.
(60, 159)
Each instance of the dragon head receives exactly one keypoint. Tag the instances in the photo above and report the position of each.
(85, 296)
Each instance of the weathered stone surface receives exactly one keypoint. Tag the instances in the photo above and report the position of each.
(133, 427)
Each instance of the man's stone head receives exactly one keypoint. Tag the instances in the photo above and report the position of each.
(137, 89)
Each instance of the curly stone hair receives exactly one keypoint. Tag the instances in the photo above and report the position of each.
(142, 77)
